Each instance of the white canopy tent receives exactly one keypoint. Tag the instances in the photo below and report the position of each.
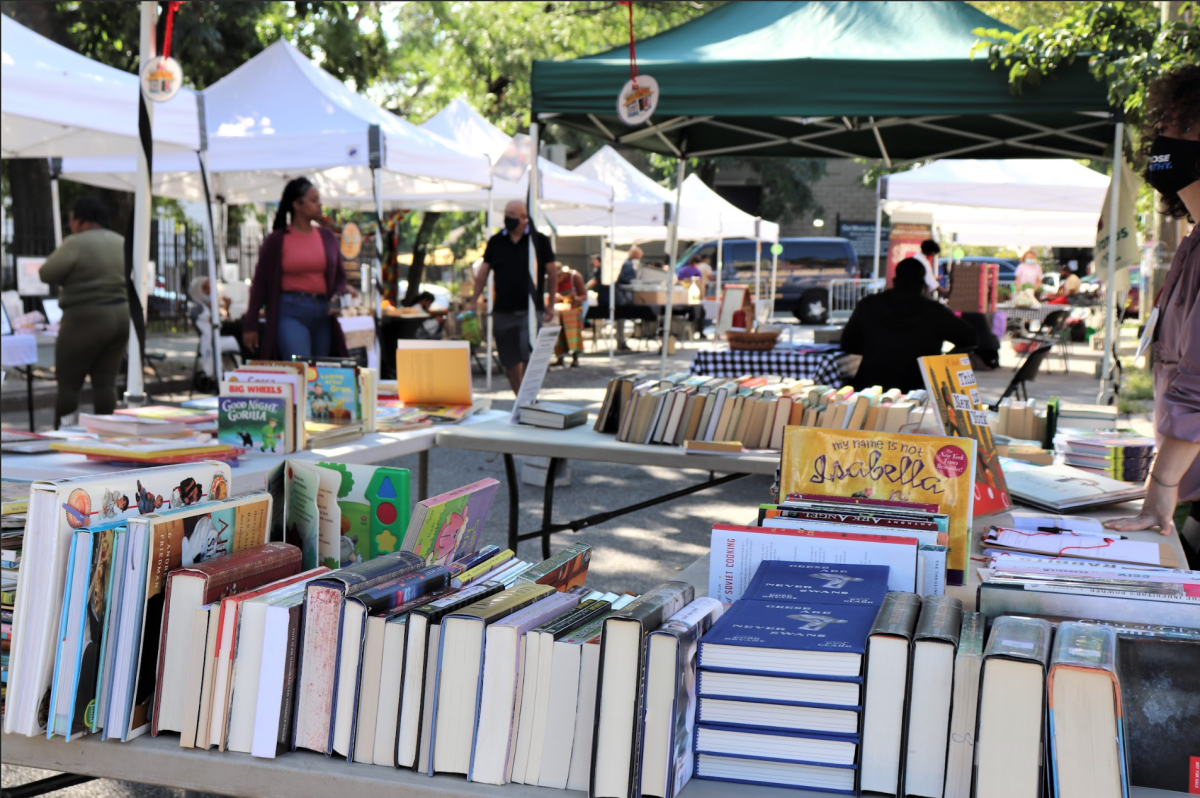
(1003, 202)
(58, 103)
(279, 116)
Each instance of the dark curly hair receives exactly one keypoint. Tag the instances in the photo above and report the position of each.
(1174, 99)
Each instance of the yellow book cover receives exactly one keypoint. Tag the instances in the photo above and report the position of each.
(433, 372)
(926, 469)
(503, 604)
(961, 412)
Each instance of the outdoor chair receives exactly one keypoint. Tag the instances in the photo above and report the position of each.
(1026, 372)
(1053, 330)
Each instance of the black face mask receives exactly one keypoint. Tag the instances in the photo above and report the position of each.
(511, 223)
(1174, 164)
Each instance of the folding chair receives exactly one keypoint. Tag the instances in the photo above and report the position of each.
(1026, 372)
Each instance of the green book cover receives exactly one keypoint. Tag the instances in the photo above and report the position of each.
(374, 503)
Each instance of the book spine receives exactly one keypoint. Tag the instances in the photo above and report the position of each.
(289, 676)
(941, 619)
(897, 615)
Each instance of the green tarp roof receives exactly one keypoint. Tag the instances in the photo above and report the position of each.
(830, 79)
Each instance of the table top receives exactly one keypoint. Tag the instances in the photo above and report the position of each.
(584, 443)
(250, 472)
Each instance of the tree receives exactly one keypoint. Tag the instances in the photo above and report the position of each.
(1127, 45)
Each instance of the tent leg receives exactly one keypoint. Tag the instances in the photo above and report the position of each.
(1107, 366)
(612, 281)
(55, 205)
(487, 222)
(757, 270)
(674, 250)
(135, 393)
(533, 204)
(878, 225)
(210, 246)
(774, 273)
(720, 260)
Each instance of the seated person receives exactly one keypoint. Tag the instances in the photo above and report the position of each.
(432, 327)
(1070, 284)
(894, 328)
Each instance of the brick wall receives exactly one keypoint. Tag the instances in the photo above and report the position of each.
(840, 191)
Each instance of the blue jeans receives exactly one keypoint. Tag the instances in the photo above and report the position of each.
(304, 327)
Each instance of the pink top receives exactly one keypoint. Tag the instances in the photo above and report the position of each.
(1177, 356)
(1029, 273)
(304, 262)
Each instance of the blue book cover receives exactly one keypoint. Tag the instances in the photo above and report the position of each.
(60, 667)
(765, 636)
(790, 775)
(818, 583)
(824, 750)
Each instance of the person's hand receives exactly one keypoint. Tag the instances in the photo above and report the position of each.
(548, 316)
(1158, 509)
(250, 340)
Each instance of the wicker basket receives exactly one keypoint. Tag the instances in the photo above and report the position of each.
(752, 341)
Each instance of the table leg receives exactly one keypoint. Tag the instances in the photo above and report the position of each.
(60, 782)
(423, 475)
(514, 502)
(548, 505)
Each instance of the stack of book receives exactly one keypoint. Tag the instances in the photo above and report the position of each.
(12, 515)
(1022, 420)
(1126, 458)
(1079, 416)
(150, 451)
(780, 677)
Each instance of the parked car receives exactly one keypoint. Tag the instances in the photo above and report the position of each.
(1008, 267)
(806, 267)
(1094, 284)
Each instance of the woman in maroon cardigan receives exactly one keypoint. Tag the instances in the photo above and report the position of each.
(299, 272)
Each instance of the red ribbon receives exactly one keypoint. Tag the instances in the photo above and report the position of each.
(633, 70)
(172, 7)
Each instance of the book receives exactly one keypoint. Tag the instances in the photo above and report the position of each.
(198, 690)
(918, 468)
(128, 426)
(1160, 691)
(777, 745)
(257, 416)
(670, 711)
(321, 644)
(193, 585)
(786, 717)
(495, 719)
(931, 676)
(778, 689)
(108, 633)
(184, 415)
(312, 518)
(743, 770)
(964, 705)
(818, 583)
(433, 372)
(1083, 696)
(1009, 738)
(961, 412)
(739, 550)
(886, 696)
(422, 640)
(1071, 544)
(233, 711)
(374, 504)
(460, 664)
(72, 707)
(443, 528)
(287, 373)
(563, 571)
(620, 688)
(814, 640)
(332, 393)
(1063, 488)
(1099, 599)
(552, 415)
(159, 543)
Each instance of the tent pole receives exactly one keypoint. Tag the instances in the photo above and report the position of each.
(533, 204)
(878, 225)
(757, 268)
(774, 273)
(210, 245)
(1107, 366)
(487, 226)
(55, 204)
(673, 233)
(613, 273)
(720, 260)
(135, 394)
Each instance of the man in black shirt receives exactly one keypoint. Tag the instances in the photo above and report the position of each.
(507, 254)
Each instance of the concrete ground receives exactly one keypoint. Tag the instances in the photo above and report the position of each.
(636, 551)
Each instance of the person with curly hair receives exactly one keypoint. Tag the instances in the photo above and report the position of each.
(1172, 151)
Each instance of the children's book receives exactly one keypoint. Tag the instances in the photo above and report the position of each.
(962, 413)
(257, 416)
(446, 527)
(914, 468)
(312, 519)
(433, 372)
(293, 375)
(374, 503)
(333, 394)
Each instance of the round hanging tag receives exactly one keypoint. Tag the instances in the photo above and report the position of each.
(777, 249)
(637, 100)
(351, 241)
(161, 78)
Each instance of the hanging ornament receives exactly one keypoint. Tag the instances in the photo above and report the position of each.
(639, 97)
(161, 75)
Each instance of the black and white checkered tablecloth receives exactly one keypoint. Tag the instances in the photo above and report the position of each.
(824, 368)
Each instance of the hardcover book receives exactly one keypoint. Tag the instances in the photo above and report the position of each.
(818, 583)
(446, 527)
(563, 571)
(914, 468)
(256, 416)
(962, 413)
(333, 394)
(964, 706)
(886, 692)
